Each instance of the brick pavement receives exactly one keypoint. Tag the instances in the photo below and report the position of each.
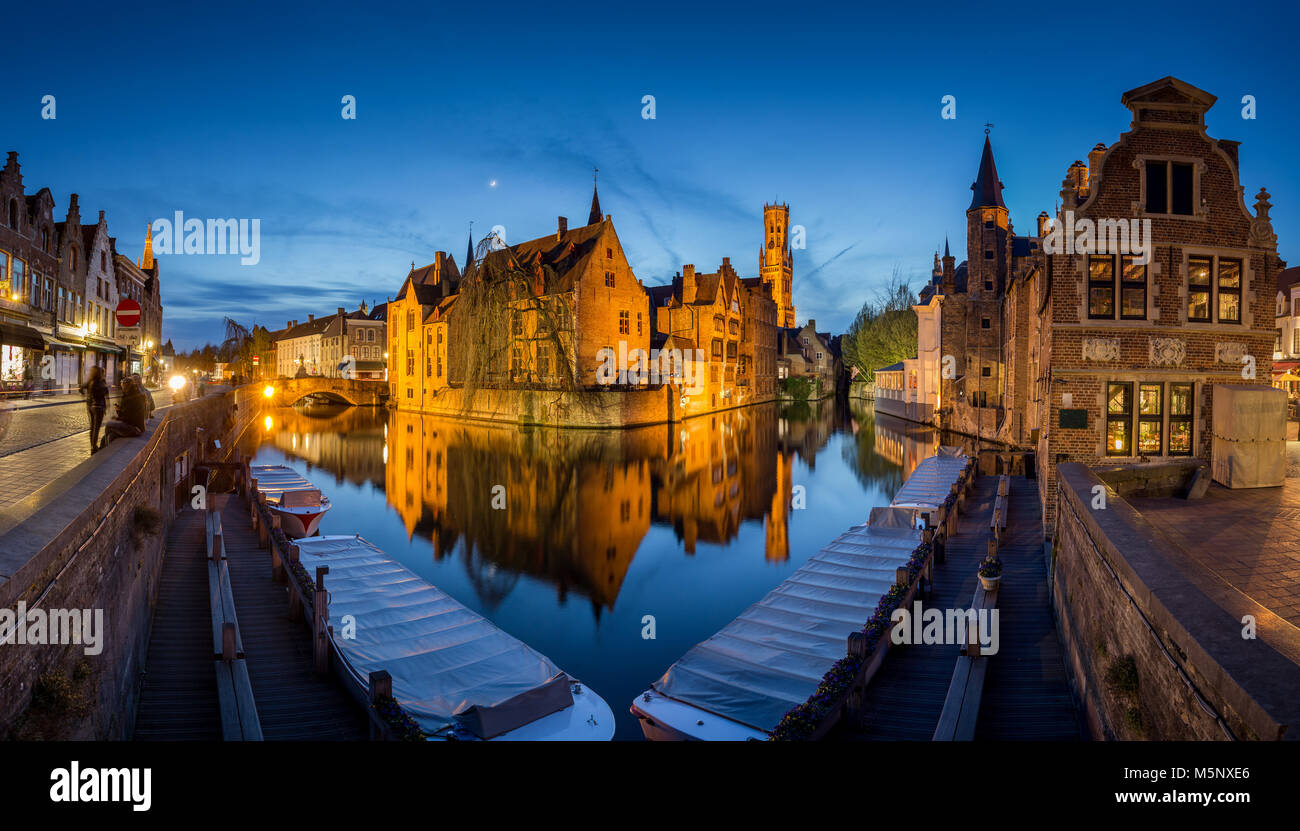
(1249, 538)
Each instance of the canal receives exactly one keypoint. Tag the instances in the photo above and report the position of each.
(573, 541)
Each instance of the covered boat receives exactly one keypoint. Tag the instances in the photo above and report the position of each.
(299, 504)
(739, 683)
(929, 485)
(455, 672)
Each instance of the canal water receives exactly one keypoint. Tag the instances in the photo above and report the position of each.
(578, 542)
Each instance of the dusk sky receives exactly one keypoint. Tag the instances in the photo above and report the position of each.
(232, 111)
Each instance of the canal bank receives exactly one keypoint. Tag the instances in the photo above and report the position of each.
(93, 539)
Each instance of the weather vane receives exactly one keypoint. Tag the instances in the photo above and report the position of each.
(594, 171)
(987, 127)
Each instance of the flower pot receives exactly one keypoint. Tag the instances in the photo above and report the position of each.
(990, 583)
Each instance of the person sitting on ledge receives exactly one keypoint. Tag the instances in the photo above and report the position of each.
(132, 411)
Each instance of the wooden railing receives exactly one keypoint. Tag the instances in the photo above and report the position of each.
(388, 722)
(239, 721)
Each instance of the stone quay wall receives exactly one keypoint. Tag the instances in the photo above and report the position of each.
(97, 543)
(1150, 655)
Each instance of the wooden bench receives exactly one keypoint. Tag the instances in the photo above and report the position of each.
(961, 707)
(238, 710)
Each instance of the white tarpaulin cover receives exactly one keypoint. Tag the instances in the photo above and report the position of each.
(276, 480)
(932, 481)
(449, 664)
(774, 655)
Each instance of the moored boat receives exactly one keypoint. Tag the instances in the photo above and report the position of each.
(299, 504)
(739, 683)
(457, 674)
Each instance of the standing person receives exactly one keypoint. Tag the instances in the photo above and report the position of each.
(96, 392)
(132, 412)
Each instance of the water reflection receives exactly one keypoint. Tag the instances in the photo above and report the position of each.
(573, 507)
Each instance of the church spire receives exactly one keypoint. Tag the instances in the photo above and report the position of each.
(469, 250)
(596, 215)
(146, 260)
(988, 190)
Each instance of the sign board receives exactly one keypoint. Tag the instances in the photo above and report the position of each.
(256, 360)
(132, 336)
(128, 313)
(1074, 419)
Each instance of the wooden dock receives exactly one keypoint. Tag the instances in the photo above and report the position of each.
(1025, 694)
(179, 697)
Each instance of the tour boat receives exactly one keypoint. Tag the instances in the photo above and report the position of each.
(457, 674)
(297, 502)
(738, 684)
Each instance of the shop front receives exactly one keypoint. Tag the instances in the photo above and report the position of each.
(21, 348)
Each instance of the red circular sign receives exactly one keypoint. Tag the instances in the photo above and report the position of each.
(128, 313)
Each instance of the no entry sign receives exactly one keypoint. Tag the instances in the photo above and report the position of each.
(128, 313)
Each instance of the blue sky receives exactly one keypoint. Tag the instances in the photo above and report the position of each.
(231, 110)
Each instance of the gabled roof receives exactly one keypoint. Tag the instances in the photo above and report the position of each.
(560, 257)
(1169, 90)
(1288, 278)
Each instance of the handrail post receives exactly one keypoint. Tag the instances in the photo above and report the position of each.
(320, 617)
(295, 596)
(381, 687)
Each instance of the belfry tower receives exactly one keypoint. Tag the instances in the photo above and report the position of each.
(776, 262)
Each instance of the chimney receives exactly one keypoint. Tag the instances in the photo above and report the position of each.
(311, 318)
(1094, 159)
(562, 227)
(688, 284)
(812, 324)
(1078, 176)
(101, 217)
(288, 324)
(1044, 223)
(438, 259)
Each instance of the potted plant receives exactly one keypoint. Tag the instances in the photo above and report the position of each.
(990, 573)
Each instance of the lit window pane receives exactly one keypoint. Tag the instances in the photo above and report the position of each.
(1180, 437)
(1133, 271)
(1118, 399)
(1135, 302)
(1101, 302)
(1229, 307)
(1149, 436)
(1198, 305)
(1101, 268)
(1198, 272)
(1118, 440)
(1149, 399)
(1180, 400)
(1229, 274)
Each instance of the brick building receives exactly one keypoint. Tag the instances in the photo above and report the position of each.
(1134, 350)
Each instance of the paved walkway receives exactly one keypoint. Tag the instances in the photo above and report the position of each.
(1249, 538)
(40, 444)
(1026, 694)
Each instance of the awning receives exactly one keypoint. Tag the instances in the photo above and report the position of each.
(54, 343)
(16, 334)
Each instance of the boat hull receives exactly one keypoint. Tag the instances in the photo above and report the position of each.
(667, 719)
(299, 523)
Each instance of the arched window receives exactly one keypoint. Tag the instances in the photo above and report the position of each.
(72, 258)
(45, 240)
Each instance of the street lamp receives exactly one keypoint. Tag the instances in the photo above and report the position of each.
(269, 392)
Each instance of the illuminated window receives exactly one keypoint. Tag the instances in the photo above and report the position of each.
(1229, 285)
(1101, 287)
(1210, 300)
(1119, 419)
(1180, 419)
(1150, 418)
(1133, 289)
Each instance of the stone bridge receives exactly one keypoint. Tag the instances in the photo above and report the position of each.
(358, 393)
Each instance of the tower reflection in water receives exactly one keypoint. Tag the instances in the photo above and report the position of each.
(573, 506)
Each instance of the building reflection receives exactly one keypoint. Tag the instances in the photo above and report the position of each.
(568, 506)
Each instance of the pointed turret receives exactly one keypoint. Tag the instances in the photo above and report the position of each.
(469, 251)
(146, 259)
(595, 215)
(988, 190)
